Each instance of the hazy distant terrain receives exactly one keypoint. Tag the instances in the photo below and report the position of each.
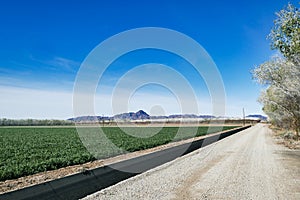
(142, 115)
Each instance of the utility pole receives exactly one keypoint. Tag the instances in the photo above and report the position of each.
(244, 120)
(103, 120)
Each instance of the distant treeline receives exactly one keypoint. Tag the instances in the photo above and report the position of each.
(55, 122)
(34, 122)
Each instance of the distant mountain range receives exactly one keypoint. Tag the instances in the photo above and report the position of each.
(132, 116)
(142, 115)
(261, 117)
(139, 115)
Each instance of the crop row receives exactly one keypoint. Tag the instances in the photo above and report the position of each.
(26, 151)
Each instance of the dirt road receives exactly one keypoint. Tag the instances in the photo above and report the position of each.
(247, 165)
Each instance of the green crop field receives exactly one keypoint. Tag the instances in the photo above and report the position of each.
(29, 150)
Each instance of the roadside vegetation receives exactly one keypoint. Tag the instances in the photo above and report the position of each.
(34, 122)
(29, 150)
(281, 74)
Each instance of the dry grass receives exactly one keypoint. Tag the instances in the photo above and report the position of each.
(281, 136)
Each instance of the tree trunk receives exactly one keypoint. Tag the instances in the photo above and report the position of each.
(297, 128)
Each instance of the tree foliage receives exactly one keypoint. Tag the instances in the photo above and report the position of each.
(285, 35)
(34, 122)
(281, 99)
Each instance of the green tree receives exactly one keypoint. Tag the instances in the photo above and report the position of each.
(285, 35)
(281, 99)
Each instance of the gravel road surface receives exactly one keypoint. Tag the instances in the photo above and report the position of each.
(247, 165)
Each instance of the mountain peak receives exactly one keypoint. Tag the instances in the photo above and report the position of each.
(141, 112)
(133, 116)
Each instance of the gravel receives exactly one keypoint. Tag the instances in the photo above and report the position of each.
(247, 165)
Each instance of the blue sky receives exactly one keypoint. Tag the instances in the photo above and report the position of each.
(43, 44)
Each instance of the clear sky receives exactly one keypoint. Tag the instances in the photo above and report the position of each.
(43, 43)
